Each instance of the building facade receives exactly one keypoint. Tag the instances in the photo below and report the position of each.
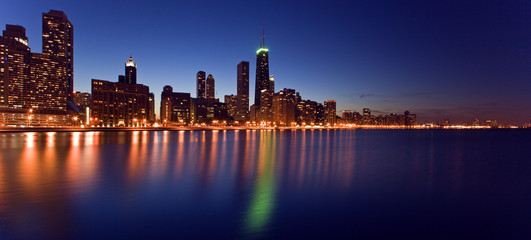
(201, 84)
(58, 42)
(330, 113)
(130, 71)
(210, 87)
(119, 104)
(242, 93)
(175, 107)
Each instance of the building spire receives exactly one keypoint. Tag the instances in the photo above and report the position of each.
(263, 35)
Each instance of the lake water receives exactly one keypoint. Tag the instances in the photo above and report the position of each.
(305, 184)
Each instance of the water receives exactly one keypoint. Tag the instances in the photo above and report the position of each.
(312, 184)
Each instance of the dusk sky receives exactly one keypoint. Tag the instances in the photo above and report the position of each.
(448, 59)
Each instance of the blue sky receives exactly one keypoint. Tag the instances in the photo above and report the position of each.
(448, 59)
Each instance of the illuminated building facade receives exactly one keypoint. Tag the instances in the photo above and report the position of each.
(330, 112)
(210, 87)
(201, 84)
(284, 107)
(232, 104)
(119, 104)
(58, 42)
(35, 81)
(15, 57)
(130, 71)
(242, 111)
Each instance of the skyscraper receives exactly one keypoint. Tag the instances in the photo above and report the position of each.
(330, 112)
(201, 85)
(210, 87)
(130, 71)
(58, 41)
(15, 58)
(242, 111)
(262, 71)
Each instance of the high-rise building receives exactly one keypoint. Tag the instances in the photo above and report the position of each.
(175, 107)
(242, 111)
(58, 41)
(46, 91)
(231, 101)
(330, 112)
(151, 113)
(130, 71)
(210, 87)
(15, 57)
(201, 84)
(284, 107)
(262, 71)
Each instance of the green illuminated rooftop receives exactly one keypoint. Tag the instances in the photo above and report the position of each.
(262, 50)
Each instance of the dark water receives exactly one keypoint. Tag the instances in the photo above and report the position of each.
(320, 184)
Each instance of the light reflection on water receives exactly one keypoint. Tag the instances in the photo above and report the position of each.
(246, 183)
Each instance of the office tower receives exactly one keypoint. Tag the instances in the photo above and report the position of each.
(130, 71)
(330, 112)
(46, 91)
(319, 114)
(210, 87)
(15, 56)
(58, 41)
(231, 101)
(242, 111)
(284, 107)
(201, 84)
(175, 107)
(151, 113)
(262, 71)
(121, 78)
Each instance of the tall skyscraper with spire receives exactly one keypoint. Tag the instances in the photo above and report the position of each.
(130, 71)
(262, 71)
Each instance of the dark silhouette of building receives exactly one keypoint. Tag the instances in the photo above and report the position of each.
(130, 71)
(210, 87)
(242, 111)
(152, 117)
(201, 84)
(262, 84)
(58, 41)
(174, 107)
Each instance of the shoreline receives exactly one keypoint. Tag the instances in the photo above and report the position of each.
(214, 128)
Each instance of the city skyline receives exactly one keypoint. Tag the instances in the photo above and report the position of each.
(484, 97)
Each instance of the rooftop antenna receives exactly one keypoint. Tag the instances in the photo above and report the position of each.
(263, 35)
